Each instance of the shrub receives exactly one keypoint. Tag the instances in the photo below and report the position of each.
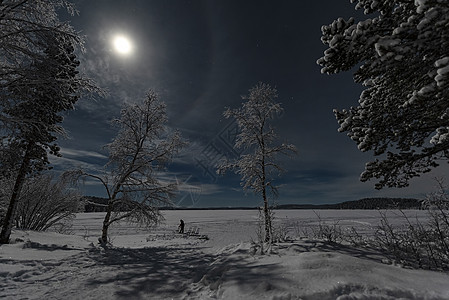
(416, 244)
(44, 203)
(330, 232)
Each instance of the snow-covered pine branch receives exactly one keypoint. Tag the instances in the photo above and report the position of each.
(401, 58)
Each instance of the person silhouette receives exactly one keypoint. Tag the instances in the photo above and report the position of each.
(181, 226)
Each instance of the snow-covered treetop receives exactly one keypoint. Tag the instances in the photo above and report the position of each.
(258, 137)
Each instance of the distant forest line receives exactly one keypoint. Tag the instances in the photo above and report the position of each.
(97, 204)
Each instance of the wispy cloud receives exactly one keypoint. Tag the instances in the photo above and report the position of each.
(82, 153)
(64, 163)
(89, 161)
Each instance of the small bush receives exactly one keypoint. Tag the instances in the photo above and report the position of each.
(323, 231)
(354, 238)
(44, 203)
(416, 244)
(427, 245)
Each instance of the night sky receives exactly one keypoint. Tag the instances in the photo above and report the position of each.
(201, 56)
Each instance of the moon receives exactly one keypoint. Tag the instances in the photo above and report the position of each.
(122, 45)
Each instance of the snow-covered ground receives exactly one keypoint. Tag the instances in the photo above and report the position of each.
(160, 264)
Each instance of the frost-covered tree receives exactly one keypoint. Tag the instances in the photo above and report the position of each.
(134, 185)
(400, 55)
(259, 165)
(39, 80)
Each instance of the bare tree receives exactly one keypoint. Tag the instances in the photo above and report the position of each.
(137, 155)
(258, 167)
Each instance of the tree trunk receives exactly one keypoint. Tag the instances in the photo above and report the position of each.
(266, 208)
(106, 223)
(266, 211)
(10, 214)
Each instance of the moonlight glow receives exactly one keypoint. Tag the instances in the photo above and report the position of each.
(122, 45)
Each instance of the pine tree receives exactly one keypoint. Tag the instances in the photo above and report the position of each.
(39, 81)
(401, 58)
(402, 61)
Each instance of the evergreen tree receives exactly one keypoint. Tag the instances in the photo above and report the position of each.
(401, 58)
(38, 81)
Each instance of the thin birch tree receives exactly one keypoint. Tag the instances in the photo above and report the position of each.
(258, 165)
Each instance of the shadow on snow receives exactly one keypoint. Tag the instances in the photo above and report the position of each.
(168, 272)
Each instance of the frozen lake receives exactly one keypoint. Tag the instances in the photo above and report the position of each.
(233, 226)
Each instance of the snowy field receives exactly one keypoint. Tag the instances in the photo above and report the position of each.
(160, 264)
